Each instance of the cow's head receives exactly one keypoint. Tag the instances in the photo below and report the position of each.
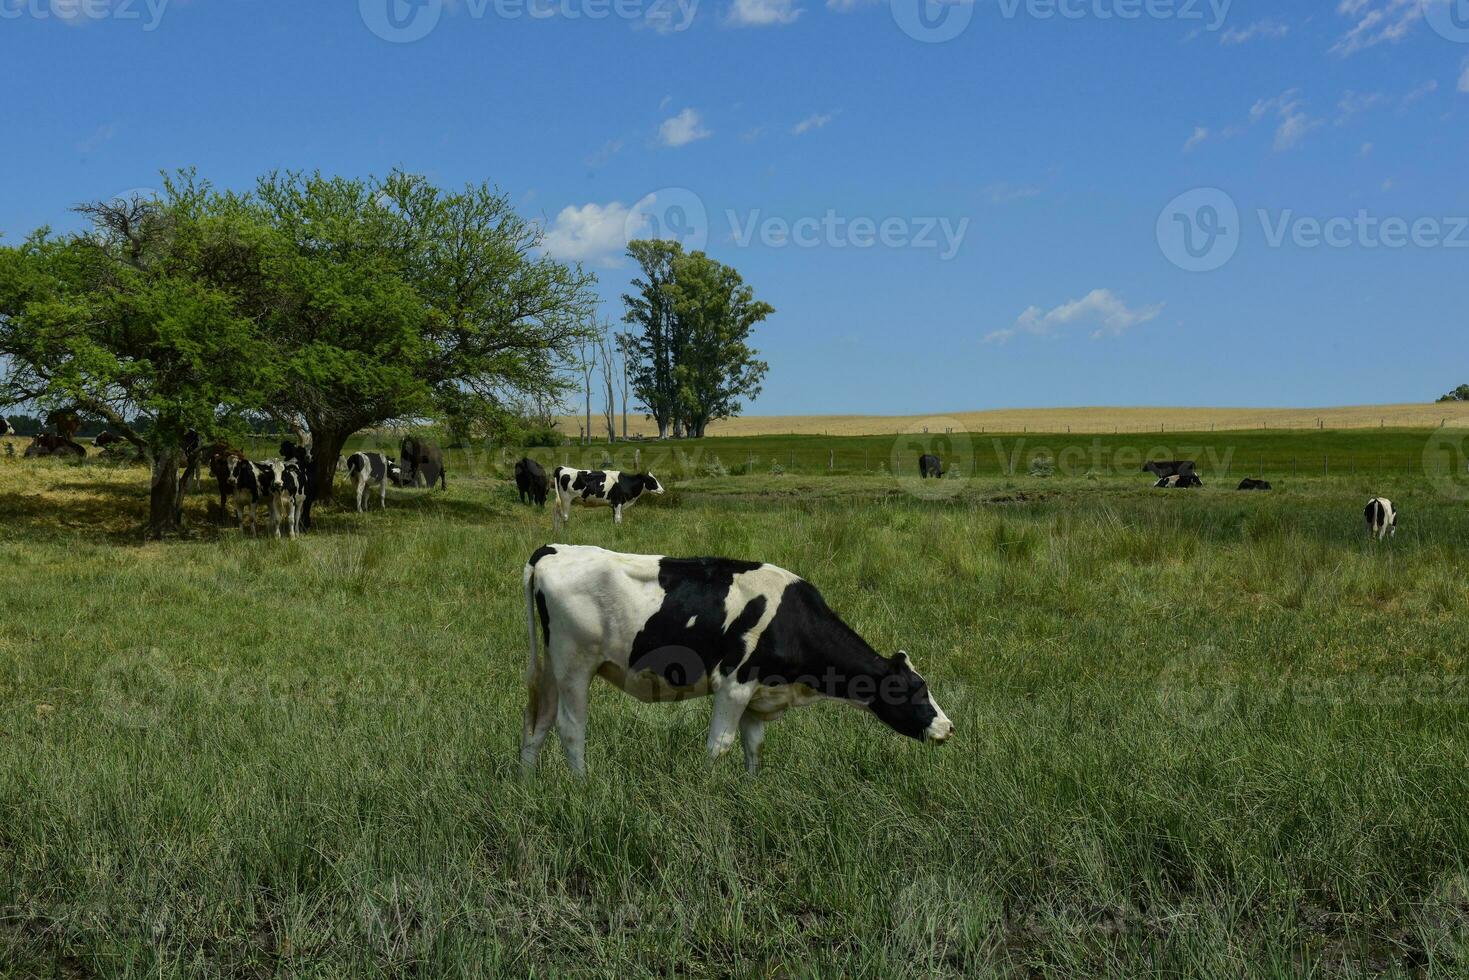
(904, 703)
(651, 484)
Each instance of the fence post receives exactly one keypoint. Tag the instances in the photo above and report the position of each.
(831, 462)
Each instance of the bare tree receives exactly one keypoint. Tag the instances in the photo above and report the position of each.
(586, 363)
(623, 341)
(605, 348)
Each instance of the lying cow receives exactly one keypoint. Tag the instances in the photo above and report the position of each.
(599, 487)
(756, 638)
(47, 444)
(930, 466)
(1250, 483)
(421, 462)
(1179, 481)
(1382, 519)
(530, 481)
(367, 468)
(1163, 469)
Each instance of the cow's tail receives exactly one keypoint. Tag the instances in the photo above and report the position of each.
(354, 463)
(533, 659)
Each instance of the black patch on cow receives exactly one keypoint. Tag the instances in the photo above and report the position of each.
(694, 589)
(1162, 468)
(540, 553)
(591, 483)
(629, 487)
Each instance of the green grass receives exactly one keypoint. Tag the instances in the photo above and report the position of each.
(1199, 733)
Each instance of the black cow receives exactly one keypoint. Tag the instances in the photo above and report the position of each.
(756, 638)
(930, 466)
(530, 481)
(599, 487)
(1169, 467)
(421, 461)
(1179, 481)
(1250, 483)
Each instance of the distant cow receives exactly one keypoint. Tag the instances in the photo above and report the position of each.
(1250, 483)
(365, 469)
(1179, 481)
(756, 638)
(421, 461)
(530, 481)
(1169, 467)
(47, 444)
(1382, 519)
(599, 487)
(930, 466)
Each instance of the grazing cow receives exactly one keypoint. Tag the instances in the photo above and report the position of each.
(1250, 483)
(756, 638)
(598, 487)
(421, 461)
(930, 466)
(530, 480)
(364, 469)
(301, 456)
(47, 444)
(1168, 467)
(1179, 481)
(1382, 519)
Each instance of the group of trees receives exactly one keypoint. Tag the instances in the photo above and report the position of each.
(327, 304)
(688, 356)
(1459, 394)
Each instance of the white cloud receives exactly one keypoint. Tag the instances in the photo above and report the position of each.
(814, 121)
(762, 13)
(683, 129)
(1422, 91)
(1293, 122)
(1268, 29)
(1376, 22)
(1355, 103)
(1101, 307)
(1200, 135)
(590, 233)
(606, 152)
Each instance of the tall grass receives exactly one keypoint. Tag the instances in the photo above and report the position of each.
(1198, 734)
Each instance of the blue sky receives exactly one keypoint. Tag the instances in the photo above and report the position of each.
(1001, 217)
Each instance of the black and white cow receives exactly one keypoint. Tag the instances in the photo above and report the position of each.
(930, 466)
(284, 489)
(247, 483)
(1382, 519)
(1179, 481)
(599, 487)
(756, 638)
(1164, 468)
(4, 426)
(367, 468)
(306, 465)
(530, 481)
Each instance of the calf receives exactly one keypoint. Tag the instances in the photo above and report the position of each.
(1250, 483)
(366, 468)
(599, 487)
(756, 638)
(930, 466)
(421, 461)
(222, 462)
(1382, 519)
(530, 480)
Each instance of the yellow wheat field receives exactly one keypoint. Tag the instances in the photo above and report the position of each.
(1115, 419)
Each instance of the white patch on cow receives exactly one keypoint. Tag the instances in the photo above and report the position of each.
(690, 624)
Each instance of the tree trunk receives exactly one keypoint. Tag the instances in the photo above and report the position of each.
(163, 499)
(326, 449)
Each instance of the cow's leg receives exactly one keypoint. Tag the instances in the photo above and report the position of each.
(383, 492)
(752, 736)
(540, 715)
(616, 513)
(572, 683)
(730, 702)
(361, 493)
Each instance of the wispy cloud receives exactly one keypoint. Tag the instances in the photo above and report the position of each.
(1007, 193)
(604, 153)
(1201, 134)
(1292, 122)
(683, 129)
(1260, 29)
(1421, 92)
(814, 121)
(762, 13)
(1376, 22)
(102, 134)
(1103, 309)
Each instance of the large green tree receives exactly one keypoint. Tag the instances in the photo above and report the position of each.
(144, 314)
(690, 358)
(395, 299)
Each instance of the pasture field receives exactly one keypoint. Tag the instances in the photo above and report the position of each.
(1199, 733)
